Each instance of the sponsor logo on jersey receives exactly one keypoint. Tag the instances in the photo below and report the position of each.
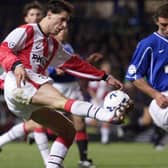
(37, 59)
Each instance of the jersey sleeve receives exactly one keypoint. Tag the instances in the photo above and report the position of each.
(80, 68)
(9, 48)
(140, 62)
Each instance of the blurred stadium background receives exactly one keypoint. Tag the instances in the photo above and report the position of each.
(111, 27)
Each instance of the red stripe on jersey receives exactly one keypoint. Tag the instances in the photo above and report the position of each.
(45, 54)
(25, 54)
(55, 45)
(45, 44)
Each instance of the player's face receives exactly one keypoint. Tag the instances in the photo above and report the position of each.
(162, 26)
(62, 35)
(57, 22)
(33, 16)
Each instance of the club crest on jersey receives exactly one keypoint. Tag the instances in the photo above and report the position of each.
(132, 69)
(11, 44)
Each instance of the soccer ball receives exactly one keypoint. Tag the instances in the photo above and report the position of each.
(114, 100)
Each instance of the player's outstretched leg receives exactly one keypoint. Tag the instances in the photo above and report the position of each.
(87, 109)
(55, 100)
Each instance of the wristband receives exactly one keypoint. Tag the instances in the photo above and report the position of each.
(105, 77)
(17, 63)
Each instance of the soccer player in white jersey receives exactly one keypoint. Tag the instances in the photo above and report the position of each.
(25, 54)
(33, 13)
(148, 69)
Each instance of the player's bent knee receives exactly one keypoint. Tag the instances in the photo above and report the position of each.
(57, 122)
(59, 103)
(29, 125)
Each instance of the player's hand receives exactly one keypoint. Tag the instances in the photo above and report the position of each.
(20, 75)
(161, 100)
(94, 57)
(60, 71)
(114, 82)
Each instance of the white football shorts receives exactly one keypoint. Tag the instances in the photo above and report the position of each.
(69, 89)
(159, 115)
(18, 99)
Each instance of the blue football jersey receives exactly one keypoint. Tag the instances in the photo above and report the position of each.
(150, 61)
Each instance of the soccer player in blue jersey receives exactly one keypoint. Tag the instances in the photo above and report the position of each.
(148, 69)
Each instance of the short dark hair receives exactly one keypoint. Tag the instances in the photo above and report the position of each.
(32, 5)
(57, 6)
(162, 11)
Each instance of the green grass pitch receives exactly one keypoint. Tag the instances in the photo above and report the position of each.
(114, 155)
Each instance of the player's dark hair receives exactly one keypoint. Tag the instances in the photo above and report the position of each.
(162, 11)
(57, 6)
(32, 5)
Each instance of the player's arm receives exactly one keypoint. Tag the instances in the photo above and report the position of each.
(93, 58)
(9, 60)
(9, 48)
(80, 68)
(142, 85)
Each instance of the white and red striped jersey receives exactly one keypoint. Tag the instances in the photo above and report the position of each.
(36, 51)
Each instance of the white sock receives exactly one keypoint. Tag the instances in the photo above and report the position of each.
(42, 143)
(87, 109)
(105, 134)
(15, 132)
(57, 154)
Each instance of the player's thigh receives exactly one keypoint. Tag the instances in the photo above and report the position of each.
(48, 95)
(58, 123)
(79, 122)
